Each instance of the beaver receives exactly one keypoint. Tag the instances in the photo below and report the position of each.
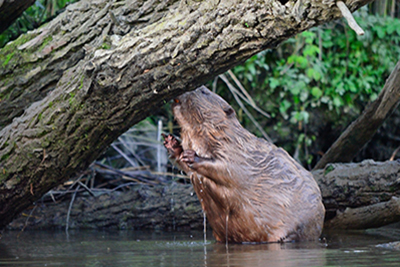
(249, 189)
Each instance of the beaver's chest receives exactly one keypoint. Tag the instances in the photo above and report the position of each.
(230, 214)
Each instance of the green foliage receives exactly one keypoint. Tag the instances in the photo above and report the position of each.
(37, 14)
(328, 69)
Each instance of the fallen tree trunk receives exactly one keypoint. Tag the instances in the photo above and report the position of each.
(98, 74)
(356, 196)
(170, 207)
(357, 187)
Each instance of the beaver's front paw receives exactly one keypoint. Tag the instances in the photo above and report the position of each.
(189, 156)
(172, 145)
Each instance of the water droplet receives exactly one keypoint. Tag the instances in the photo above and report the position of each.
(201, 190)
(191, 193)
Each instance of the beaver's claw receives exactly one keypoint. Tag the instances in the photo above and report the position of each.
(172, 145)
(188, 156)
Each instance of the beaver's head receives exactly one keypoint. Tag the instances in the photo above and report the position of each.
(202, 108)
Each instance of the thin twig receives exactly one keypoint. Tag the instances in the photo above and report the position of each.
(137, 168)
(122, 185)
(87, 188)
(76, 181)
(214, 85)
(132, 179)
(170, 174)
(230, 86)
(70, 208)
(239, 84)
(159, 145)
(128, 159)
(26, 222)
(256, 108)
(349, 17)
(125, 173)
(394, 154)
(59, 192)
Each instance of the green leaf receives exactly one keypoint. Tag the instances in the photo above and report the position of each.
(283, 107)
(316, 92)
(311, 50)
(391, 28)
(380, 31)
(273, 83)
(337, 101)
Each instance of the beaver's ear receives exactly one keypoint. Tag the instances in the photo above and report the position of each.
(229, 111)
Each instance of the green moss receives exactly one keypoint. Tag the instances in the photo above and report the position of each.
(392, 188)
(13, 46)
(50, 104)
(6, 94)
(43, 133)
(5, 145)
(3, 174)
(81, 85)
(45, 42)
(328, 169)
(8, 52)
(4, 157)
(45, 143)
(191, 208)
(105, 46)
(71, 99)
(8, 58)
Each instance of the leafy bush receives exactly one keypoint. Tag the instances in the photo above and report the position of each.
(327, 70)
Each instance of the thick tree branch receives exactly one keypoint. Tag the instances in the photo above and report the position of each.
(34, 63)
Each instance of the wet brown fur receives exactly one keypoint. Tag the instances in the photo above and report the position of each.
(250, 190)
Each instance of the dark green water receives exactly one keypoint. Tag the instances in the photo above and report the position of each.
(134, 248)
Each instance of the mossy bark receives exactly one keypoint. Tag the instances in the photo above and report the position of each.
(73, 86)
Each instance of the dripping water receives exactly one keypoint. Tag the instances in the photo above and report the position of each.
(205, 227)
(226, 231)
(226, 239)
(173, 212)
(205, 237)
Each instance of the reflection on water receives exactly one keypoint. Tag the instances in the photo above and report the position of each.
(134, 248)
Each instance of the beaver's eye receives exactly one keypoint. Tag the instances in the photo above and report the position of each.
(205, 92)
(229, 111)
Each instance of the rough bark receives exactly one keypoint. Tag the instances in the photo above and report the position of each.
(102, 89)
(372, 216)
(10, 10)
(352, 140)
(357, 187)
(141, 207)
(356, 196)
(32, 65)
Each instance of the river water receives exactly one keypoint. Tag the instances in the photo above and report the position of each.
(145, 248)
